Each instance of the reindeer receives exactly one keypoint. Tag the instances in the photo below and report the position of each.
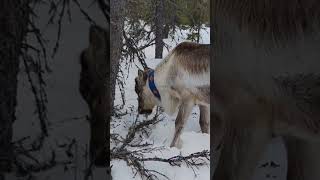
(178, 83)
(93, 80)
(266, 83)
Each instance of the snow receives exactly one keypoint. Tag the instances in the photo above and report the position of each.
(161, 134)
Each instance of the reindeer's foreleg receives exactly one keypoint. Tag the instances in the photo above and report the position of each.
(185, 109)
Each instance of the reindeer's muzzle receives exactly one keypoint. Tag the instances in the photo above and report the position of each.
(145, 111)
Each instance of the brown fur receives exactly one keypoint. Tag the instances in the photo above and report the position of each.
(200, 52)
(204, 93)
(140, 82)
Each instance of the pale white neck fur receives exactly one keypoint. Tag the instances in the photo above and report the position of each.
(168, 102)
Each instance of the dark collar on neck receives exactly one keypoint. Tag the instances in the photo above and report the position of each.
(152, 85)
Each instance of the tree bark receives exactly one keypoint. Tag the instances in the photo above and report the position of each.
(171, 18)
(159, 25)
(117, 9)
(13, 29)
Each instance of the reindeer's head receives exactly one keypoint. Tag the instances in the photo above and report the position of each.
(146, 100)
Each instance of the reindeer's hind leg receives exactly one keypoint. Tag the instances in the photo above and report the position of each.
(204, 118)
(183, 114)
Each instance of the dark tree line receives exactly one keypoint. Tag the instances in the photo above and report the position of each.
(162, 17)
(159, 28)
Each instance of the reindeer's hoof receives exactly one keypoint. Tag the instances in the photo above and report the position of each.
(177, 144)
(172, 144)
(205, 132)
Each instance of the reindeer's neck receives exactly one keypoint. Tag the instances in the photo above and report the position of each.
(152, 86)
(161, 71)
(160, 76)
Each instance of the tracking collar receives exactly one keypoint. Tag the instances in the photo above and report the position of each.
(152, 85)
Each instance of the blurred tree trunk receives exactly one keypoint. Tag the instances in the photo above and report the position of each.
(166, 31)
(13, 29)
(117, 12)
(200, 14)
(159, 27)
(171, 20)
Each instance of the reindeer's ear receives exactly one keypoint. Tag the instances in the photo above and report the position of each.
(97, 36)
(140, 73)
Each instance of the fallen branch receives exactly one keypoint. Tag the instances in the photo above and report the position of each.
(194, 159)
(136, 158)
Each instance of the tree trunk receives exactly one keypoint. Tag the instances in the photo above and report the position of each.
(117, 8)
(166, 31)
(13, 29)
(159, 25)
(171, 18)
(93, 88)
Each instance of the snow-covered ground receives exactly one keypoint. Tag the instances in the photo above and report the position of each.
(161, 134)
